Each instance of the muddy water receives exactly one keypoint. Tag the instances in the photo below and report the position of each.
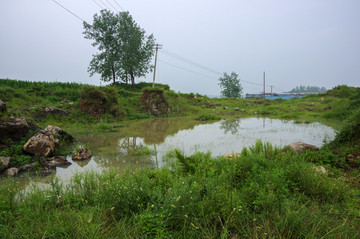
(124, 149)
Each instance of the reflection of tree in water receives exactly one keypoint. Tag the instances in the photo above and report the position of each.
(128, 145)
(125, 155)
(230, 125)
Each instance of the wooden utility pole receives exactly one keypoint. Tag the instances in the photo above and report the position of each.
(264, 84)
(157, 46)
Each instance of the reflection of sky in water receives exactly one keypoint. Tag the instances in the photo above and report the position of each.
(222, 137)
(213, 137)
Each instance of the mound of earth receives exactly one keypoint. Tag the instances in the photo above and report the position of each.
(154, 102)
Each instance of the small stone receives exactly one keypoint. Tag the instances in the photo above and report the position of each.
(82, 154)
(237, 109)
(320, 169)
(26, 167)
(5, 161)
(225, 107)
(11, 172)
(2, 106)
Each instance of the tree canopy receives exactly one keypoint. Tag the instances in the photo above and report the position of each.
(124, 49)
(230, 85)
(308, 89)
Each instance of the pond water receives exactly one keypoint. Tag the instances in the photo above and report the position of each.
(124, 149)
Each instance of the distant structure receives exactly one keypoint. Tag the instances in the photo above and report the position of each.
(277, 96)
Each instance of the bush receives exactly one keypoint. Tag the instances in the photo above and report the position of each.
(342, 91)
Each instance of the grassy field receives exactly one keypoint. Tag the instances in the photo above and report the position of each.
(264, 192)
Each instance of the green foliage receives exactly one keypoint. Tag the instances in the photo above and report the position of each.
(342, 91)
(350, 132)
(207, 117)
(124, 49)
(16, 154)
(141, 150)
(230, 85)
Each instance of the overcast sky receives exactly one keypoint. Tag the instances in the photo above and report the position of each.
(298, 42)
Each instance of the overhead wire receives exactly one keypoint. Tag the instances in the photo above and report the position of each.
(167, 52)
(184, 69)
(118, 5)
(174, 55)
(104, 5)
(112, 6)
(97, 4)
(69, 11)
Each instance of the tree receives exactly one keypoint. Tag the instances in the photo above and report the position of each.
(124, 49)
(230, 85)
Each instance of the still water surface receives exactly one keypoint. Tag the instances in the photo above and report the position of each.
(118, 150)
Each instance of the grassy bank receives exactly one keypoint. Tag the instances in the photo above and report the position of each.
(121, 102)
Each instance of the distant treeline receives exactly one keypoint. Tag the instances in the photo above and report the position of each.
(308, 89)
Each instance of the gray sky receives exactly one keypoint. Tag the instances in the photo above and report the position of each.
(298, 42)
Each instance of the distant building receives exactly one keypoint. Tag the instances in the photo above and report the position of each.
(276, 96)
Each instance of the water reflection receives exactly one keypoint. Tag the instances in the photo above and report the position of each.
(230, 125)
(125, 149)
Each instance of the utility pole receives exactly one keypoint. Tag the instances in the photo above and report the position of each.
(271, 90)
(264, 84)
(157, 46)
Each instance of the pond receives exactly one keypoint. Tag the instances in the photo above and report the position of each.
(144, 143)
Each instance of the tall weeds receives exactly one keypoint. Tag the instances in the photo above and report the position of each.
(262, 193)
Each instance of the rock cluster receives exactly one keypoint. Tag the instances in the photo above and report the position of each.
(43, 144)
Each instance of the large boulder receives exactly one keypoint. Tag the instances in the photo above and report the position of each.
(2, 106)
(58, 132)
(300, 147)
(5, 161)
(43, 144)
(82, 154)
(11, 172)
(15, 128)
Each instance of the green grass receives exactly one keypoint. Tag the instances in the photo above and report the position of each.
(259, 194)
(207, 117)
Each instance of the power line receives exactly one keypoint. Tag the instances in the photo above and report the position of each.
(184, 69)
(118, 5)
(98, 4)
(112, 6)
(105, 5)
(174, 55)
(69, 11)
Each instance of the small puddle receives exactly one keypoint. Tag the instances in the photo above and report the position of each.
(126, 148)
